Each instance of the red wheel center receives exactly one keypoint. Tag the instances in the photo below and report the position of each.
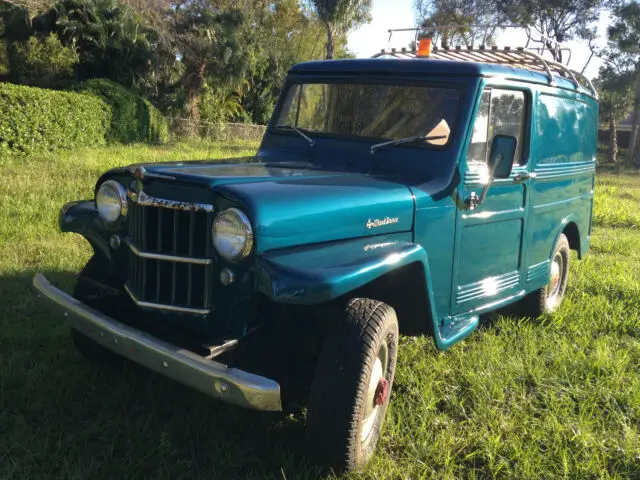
(382, 391)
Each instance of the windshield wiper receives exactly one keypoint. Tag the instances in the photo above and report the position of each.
(299, 132)
(400, 141)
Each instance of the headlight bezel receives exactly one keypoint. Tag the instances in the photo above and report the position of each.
(247, 228)
(120, 194)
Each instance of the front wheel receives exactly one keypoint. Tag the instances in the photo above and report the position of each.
(352, 384)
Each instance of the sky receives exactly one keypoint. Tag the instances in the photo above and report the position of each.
(371, 38)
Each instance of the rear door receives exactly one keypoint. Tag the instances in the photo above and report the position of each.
(489, 240)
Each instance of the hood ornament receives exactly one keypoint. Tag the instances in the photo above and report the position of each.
(376, 222)
(139, 173)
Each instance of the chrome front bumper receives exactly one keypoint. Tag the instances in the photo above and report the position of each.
(213, 378)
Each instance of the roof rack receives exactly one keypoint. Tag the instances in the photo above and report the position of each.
(520, 57)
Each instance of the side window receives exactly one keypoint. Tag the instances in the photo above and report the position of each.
(501, 112)
(477, 153)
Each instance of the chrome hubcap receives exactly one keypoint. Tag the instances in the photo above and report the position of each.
(555, 278)
(377, 392)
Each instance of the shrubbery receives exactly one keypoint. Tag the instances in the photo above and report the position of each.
(133, 119)
(35, 120)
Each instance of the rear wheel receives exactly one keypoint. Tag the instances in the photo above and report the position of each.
(352, 384)
(548, 298)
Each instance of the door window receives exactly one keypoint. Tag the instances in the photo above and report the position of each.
(500, 112)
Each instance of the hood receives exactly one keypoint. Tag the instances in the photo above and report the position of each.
(292, 205)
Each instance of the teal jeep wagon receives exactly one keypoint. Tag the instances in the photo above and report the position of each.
(407, 193)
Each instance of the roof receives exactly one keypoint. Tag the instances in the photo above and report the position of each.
(422, 66)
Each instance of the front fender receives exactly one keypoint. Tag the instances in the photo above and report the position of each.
(82, 217)
(319, 273)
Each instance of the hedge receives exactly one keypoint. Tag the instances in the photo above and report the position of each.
(35, 120)
(134, 119)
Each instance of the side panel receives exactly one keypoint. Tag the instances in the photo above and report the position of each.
(564, 154)
(435, 231)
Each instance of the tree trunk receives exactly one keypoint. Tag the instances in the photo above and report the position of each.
(330, 42)
(613, 140)
(193, 99)
(634, 141)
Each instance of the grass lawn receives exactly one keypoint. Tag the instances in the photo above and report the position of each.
(554, 397)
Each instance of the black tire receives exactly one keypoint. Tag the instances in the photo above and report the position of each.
(340, 394)
(548, 298)
(86, 290)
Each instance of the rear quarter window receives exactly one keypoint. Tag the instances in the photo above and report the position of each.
(566, 130)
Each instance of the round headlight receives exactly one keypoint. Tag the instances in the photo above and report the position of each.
(111, 201)
(232, 234)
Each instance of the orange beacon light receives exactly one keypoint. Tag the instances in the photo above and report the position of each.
(424, 47)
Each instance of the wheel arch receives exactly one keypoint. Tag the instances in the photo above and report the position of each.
(569, 227)
(406, 290)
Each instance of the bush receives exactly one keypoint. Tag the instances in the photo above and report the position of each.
(134, 119)
(36, 120)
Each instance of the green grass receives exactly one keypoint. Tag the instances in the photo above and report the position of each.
(556, 397)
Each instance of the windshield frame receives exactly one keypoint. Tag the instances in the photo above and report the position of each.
(372, 80)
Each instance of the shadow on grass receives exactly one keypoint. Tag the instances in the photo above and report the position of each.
(120, 421)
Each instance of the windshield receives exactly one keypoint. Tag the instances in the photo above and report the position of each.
(377, 111)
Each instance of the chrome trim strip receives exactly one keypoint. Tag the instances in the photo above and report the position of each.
(212, 378)
(487, 287)
(145, 200)
(164, 306)
(168, 258)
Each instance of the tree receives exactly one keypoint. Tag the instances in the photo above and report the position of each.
(111, 39)
(340, 17)
(463, 13)
(554, 20)
(624, 39)
(208, 46)
(31, 8)
(44, 62)
(286, 34)
(616, 101)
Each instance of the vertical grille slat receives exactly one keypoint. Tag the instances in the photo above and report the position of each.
(191, 240)
(175, 252)
(208, 223)
(171, 283)
(158, 249)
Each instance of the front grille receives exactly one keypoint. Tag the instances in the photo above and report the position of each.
(170, 261)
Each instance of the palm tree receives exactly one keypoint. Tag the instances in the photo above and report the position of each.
(341, 16)
(208, 46)
(616, 102)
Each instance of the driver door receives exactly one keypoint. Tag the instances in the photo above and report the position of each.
(489, 239)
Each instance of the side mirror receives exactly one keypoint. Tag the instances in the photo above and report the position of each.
(500, 164)
(503, 152)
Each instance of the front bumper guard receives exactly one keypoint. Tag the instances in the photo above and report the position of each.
(212, 378)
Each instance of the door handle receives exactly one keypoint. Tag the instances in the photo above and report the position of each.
(523, 177)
